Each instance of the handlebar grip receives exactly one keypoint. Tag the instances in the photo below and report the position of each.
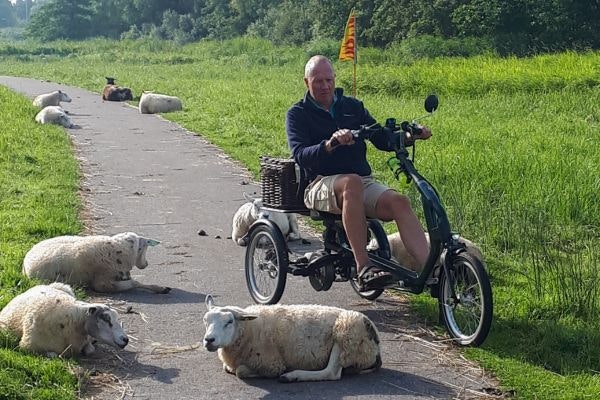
(413, 129)
(334, 142)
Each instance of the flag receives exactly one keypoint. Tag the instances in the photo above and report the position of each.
(348, 49)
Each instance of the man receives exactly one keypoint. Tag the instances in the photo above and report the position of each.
(318, 132)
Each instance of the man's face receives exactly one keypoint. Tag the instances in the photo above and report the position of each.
(321, 84)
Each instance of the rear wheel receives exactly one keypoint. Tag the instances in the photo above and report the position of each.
(375, 237)
(266, 264)
(468, 315)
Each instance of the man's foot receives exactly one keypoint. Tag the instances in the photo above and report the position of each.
(370, 277)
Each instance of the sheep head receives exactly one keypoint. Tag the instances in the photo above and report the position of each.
(222, 324)
(103, 324)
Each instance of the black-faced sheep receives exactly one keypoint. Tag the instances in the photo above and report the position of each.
(249, 212)
(49, 320)
(100, 262)
(51, 99)
(291, 342)
(401, 255)
(54, 115)
(153, 103)
(112, 92)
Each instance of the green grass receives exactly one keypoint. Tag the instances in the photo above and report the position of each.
(514, 156)
(38, 181)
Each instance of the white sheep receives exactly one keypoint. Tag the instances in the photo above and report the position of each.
(51, 99)
(291, 342)
(49, 320)
(153, 103)
(54, 115)
(401, 255)
(249, 212)
(100, 262)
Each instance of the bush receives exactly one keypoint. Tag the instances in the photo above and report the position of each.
(427, 46)
(328, 47)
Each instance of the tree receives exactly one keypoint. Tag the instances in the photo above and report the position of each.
(61, 19)
(7, 14)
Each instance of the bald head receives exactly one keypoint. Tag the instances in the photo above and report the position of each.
(314, 62)
(319, 78)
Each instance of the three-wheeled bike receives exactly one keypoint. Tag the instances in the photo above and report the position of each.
(453, 275)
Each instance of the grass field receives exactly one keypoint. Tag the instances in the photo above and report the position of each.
(514, 157)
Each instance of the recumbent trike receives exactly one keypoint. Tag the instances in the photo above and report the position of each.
(455, 277)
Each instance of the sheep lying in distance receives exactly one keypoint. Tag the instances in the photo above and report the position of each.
(401, 255)
(100, 262)
(153, 103)
(50, 321)
(54, 115)
(291, 342)
(112, 92)
(51, 99)
(249, 212)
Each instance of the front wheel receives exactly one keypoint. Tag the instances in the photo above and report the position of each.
(266, 264)
(468, 315)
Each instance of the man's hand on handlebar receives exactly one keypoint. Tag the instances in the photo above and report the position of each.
(342, 137)
(424, 134)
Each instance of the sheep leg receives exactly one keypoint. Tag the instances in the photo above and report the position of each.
(132, 284)
(121, 286)
(294, 231)
(332, 372)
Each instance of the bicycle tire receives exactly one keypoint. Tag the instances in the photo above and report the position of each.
(266, 263)
(467, 319)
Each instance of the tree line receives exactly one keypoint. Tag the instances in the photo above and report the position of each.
(509, 26)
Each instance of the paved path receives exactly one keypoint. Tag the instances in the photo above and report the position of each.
(150, 176)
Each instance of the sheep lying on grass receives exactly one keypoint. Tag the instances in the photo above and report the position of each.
(50, 321)
(54, 115)
(401, 255)
(51, 99)
(100, 262)
(154, 103)
(291, 342)
(253, 210)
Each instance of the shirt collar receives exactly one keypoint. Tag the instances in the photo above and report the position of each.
(336, 96)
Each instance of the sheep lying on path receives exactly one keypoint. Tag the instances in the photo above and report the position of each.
(100, 262)
(49, 320)
(153, 103)
(116, 93)
(401, 255)
(292, 342)
(112, 92)
(54, 115)
(51, 99)
(249, 212)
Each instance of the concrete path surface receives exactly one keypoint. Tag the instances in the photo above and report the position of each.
(144, 174)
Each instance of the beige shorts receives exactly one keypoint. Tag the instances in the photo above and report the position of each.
(319, 195)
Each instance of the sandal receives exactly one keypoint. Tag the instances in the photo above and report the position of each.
(370, 277)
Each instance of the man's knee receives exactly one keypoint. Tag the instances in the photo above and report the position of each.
(349, 186)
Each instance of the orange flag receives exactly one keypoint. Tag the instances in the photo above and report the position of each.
(348, 49)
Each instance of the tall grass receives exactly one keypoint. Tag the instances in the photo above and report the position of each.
(514, 156)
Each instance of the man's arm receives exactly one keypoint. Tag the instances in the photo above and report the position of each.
(306, 154)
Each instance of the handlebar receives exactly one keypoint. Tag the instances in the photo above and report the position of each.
(411, 132)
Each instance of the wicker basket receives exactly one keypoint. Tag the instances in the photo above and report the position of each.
(279, 184)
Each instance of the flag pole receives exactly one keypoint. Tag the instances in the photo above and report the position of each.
(355, 54)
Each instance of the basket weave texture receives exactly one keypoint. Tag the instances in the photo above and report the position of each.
(279, 184)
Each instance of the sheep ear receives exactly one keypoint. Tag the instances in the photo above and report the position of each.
(210, 303)
(152, 242)
(246, 317)
(248, 197)
(91, 310)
